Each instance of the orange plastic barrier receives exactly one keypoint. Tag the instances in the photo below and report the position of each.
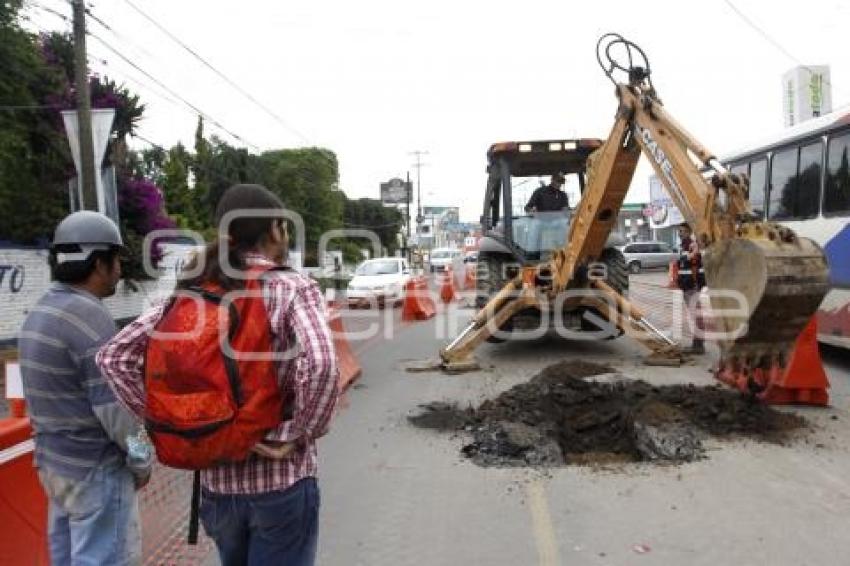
(802, 381)
(418, 304)
(349, 367)
(447, 287)
(23, 505)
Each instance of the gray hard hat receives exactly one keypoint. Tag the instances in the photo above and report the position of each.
(90, 230)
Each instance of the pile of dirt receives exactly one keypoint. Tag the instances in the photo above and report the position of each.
(576, 412)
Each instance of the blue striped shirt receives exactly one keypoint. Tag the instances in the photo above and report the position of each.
(78, 423)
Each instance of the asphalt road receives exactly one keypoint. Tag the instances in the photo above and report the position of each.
(396, 495)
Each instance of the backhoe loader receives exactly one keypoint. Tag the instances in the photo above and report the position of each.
(764, 282)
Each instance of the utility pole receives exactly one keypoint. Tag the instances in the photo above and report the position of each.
(408, 191)
(87, 165)
(419, 153)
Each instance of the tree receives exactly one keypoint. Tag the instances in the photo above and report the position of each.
(200, 169)
(175, 187)
(371, 214)
(306, 179)
(35, 161)
(34, 158)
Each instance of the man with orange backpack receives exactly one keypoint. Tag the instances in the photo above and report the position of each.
(236, 376)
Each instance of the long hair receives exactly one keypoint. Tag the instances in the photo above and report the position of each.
(244, 234)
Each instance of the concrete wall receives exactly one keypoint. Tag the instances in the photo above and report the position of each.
(25, 276)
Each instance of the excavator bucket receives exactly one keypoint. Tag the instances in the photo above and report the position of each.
(765, 286)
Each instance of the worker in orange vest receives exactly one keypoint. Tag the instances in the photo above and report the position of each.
(691, 280)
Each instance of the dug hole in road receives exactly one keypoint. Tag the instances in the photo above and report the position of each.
(764, 486)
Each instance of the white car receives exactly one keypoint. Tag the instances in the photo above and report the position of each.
(381, 280)
(441, 258)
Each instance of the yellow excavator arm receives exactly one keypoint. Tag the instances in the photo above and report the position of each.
(765, 282)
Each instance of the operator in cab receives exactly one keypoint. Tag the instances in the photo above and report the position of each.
(549, 198)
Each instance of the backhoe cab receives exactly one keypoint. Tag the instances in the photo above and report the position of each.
(514, 237)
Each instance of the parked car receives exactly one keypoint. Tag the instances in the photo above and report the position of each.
(381, 280)
(441, 258)
(648, 255)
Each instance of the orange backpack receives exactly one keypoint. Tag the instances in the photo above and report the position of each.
(204, 407)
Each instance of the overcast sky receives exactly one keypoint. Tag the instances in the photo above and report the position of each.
(374, 80)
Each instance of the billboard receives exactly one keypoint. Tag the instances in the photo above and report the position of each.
(806, 94)
(443, 216)
(395, 191)
(661, 211)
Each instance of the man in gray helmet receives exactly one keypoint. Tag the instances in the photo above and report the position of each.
(90, 454)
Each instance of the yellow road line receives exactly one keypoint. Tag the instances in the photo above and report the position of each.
(544, 533)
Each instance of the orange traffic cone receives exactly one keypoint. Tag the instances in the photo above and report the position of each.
(447, 289)
(418, 305)
(802, 381)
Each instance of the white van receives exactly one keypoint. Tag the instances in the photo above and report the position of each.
(441, 258)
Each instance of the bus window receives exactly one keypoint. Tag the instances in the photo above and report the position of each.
(783, 169)
(807, 203)
(758, 170)
(836, 198)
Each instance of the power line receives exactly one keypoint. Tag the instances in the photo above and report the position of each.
(769, 38)
(127, 60)
(173, 93)
(220, 74)
(51, 11)
(252, 167)
(195, 110)
(123, 75)
(762, 32)
(31, 107)
(196, 55)
(119, 36)
(229, 81)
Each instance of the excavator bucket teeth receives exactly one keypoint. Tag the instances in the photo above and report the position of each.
(764, 290)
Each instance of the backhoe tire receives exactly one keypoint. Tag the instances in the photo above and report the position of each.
(618, 270)
(617, 277)
(489, 280)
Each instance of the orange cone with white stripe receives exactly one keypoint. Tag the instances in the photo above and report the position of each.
(447, 289)
(802, 381)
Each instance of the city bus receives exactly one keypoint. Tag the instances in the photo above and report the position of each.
(801, 179)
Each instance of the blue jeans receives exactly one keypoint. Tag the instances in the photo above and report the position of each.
(93, 522)
(278, 527)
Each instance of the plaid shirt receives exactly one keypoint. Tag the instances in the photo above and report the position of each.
(298, 318)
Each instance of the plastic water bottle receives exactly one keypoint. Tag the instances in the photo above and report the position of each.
(139, 449)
